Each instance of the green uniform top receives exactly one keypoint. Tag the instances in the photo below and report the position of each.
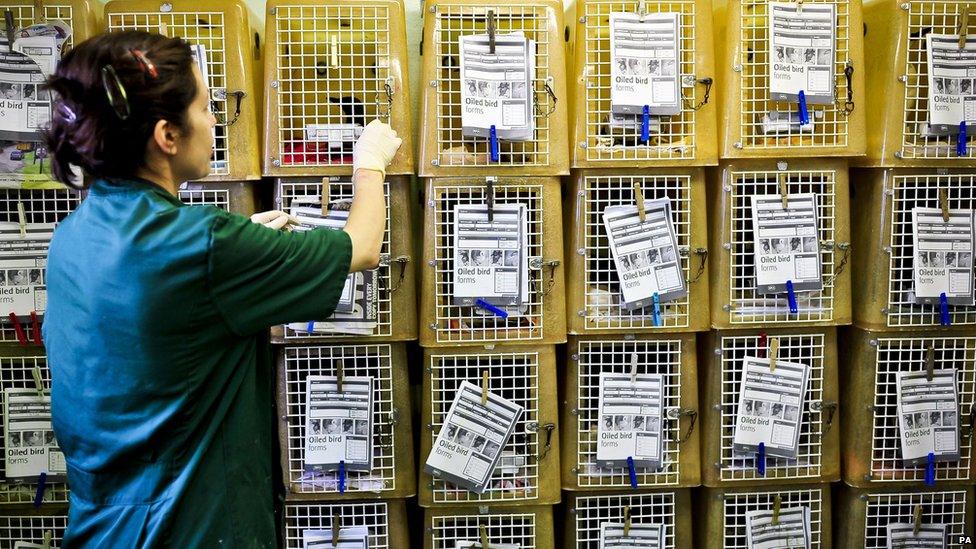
(161, 376)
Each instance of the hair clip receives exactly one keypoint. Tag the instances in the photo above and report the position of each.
(115, 92)
(67, 113)
(147, 65)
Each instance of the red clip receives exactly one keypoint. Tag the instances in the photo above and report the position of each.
(36, 328)
(763, 345)
(21, 336)
(146, 63)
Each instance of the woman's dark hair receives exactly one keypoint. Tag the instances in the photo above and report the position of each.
(101, 128)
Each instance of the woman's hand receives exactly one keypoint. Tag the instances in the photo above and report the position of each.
(275, 219)
(375, 147)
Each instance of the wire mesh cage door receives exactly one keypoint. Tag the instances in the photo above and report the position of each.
(735, 301)
(33, 528)
(221, 33)
(873, 394)
(748, 110)
(884, 298)
(25, 156)
(32, 209)
(726, 513)
(587, 514)
(396, 316)
(443, 149)
(593, 295)
(522, 527)
(386, 521)
(682, 139)
(17, 372)
(864, 515)
(392, 474)
(238, 198)
(818, 443)
(672, 357)
(528, 471)
(901, 117)
(333, 66)
(541, 317)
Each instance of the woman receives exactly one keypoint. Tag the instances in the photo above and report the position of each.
(157, 311)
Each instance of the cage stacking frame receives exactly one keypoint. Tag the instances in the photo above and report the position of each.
(397, 306)
(443, 149)
(744, 88)
(238, 197)
(734, 301)
(587, 512)
(864, 513)
(544, 321)
(898, 65)
(226, 28)
(32, 526)
(523, 374)
(17, 372)
(673, 356)
(870, 396)
(393, 474)
(818, 451)
(592, 282)
(883, 251)
(721, 513)
(41, 205)
(523, 527)
(337, 64)
(685, 139)
(386, 521)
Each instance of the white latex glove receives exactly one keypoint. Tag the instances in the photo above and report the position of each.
(275, 219)
(375, 147)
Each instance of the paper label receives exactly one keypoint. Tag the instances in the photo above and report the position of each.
(349, 538)
(644, 65)
(490, 259)
(496, 88)
(952, 82)
(943, 255)
(928, 416)
(338, 425)
(631, 417)
(640, 536)
(801, 51)
(786, 243)
(770, 407)
(902, 535)
(29, 444)
(791, 530)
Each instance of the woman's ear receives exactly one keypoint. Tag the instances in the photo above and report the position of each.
(166, 137)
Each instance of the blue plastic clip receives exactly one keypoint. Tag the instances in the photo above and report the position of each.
(804, 115)
(961, 141)
(633, 472)
(944, 310)
(493, 143)
(791, 297)
(930, 470)
(645, 124)
(342, 477)
(311, 326)
(657, 309)
(489, 307)
(761, 459)
(39, 494)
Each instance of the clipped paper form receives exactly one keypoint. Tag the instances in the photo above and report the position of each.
(349, 538)
(644, 63)
(770, 407)
(801, 51)
(490, 259)
(928, 416)
(29, 444)
(631, 416)
(23, 257)
(496, 88)
(902, 535)
(786, 245)
(792, 529)
(640, 536)
(338, 425)
(943, 255)
(952, 82)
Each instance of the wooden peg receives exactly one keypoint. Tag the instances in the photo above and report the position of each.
(22, 219)
(491, 33)
(334, 50)
(340, 374)
(930, 363)
(963, 26)
(335, 529)
(39, 15)
(38, 381)
(944, 203)
(48, 537)
(783, 194)
(918, 519)
(627, 521)
(639, 198)
(326, 197)
(773, 353)
(163, 28)
(484, 388)
(777, 502)
(483, 532)
(633, 368)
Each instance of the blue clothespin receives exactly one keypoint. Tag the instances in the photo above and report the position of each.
(489, 307)
(633, 472)
(961, 141)
(657, 309)
(311, 326)
(39, 494)
(645, 125)
(761, 459)
(804, 115)
(493, 143)
(342, 477)
(944, 310)
(791, 297)
(930, 470)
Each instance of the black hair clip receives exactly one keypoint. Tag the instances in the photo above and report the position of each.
(115, 92)
(67, 113)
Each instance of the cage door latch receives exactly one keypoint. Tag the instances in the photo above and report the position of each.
(676, 414)
(534, 427)
(828, 407)
(538, 264)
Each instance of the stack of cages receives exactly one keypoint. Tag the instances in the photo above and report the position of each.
(493, 146)
(33, 491)
(343, 388)
(913, 308)
(226, 47)
(792, 113)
